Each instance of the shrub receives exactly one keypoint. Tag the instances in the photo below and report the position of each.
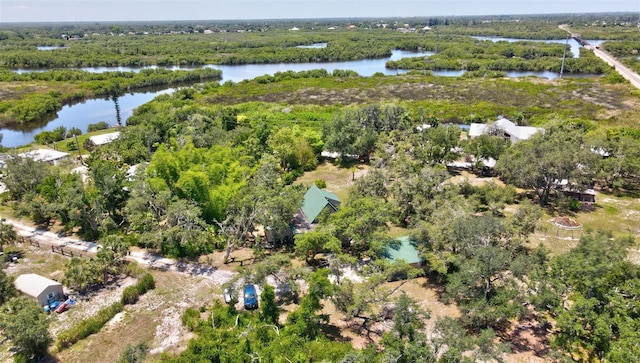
(191, 318)
(320, 183)
(290, 176)
(87, 327)
(130, 295)
(72, 145)
(134, 353)
(102, 125)
(88, 145)
(145, 283)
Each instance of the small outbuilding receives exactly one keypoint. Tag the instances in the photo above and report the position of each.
(404, 250)
(103, 139)
(42, 289)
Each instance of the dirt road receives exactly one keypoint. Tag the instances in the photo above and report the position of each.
(144, 259)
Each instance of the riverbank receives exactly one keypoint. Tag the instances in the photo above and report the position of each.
(29, 98)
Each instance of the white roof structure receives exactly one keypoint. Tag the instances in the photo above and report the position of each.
(47, 155)
(564, 185)
(130, 174)
(514, 132)
(39, 287)
(104, 138)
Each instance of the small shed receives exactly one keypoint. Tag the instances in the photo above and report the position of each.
(404, 250)
(42, 289)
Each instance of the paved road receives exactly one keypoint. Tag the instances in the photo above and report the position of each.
(144, 259)
(623, 70)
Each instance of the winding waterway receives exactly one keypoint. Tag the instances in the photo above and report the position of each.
(80, 115)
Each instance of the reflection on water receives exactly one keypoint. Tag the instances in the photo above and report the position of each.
(80, 115)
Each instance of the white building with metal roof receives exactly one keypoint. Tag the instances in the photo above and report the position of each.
(47, 155)
(42, 289)
(506, 127)
(104, 138)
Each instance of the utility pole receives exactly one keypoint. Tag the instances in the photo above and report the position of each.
(564, 55)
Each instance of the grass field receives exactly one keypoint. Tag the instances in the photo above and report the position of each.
(619, 215)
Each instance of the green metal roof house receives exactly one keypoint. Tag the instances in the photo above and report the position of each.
(404, 250)
(316, 200)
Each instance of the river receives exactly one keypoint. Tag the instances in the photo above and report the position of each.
(91, 111)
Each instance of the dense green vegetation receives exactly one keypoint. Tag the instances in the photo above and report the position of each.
(214, 162)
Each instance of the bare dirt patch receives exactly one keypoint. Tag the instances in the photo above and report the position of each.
(474, 180)
(154, 319)
(87, 305)
(338, 179)
(419, 289)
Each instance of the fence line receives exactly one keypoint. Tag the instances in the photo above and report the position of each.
(54, 248)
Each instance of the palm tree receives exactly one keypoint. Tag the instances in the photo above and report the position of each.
(111, 255)
(7, 234)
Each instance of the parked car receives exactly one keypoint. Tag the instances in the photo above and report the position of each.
(250, 297)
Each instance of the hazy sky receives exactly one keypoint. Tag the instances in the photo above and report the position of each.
(118, 10)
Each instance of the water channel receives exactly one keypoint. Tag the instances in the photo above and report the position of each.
(91, 111)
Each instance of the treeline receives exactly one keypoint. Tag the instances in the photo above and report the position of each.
(625, 51)
(232, 48)
(503, 56)
(270, 42)
(200, 49)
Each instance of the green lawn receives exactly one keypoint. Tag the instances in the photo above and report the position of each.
(63, 145)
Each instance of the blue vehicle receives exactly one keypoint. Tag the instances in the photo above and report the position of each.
(250, 297)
